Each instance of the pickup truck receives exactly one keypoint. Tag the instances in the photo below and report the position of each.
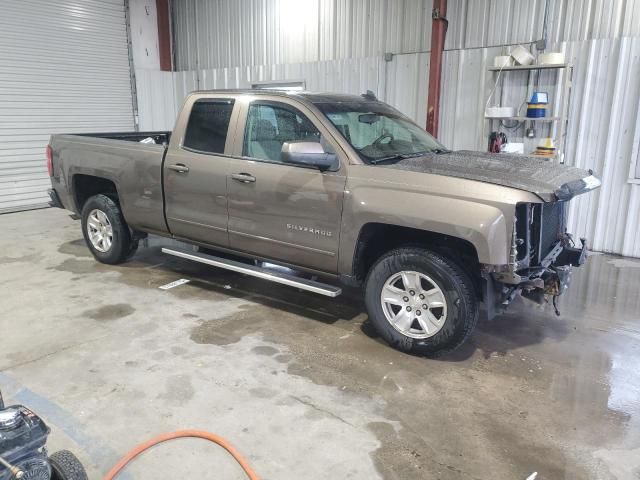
(341, 190)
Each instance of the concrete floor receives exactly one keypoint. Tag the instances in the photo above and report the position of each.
(299, 383)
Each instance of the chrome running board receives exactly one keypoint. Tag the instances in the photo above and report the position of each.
(253, 271)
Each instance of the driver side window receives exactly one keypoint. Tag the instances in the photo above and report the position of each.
(269, 125)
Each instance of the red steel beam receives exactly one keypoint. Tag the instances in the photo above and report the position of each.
(438, 33)
(164, 35)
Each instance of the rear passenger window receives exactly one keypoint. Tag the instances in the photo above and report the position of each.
(208, 125)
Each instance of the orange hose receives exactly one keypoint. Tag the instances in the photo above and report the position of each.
(118, 467)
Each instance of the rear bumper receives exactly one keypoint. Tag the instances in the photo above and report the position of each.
(55, 199)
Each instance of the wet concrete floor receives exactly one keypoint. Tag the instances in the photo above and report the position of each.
(300, 383)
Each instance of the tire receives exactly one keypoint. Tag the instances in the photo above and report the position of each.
(66, 466)
(107, 213)
(438, 329)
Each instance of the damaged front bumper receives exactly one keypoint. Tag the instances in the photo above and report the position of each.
(551, 278)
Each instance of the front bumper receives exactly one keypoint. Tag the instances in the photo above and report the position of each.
(572, 256)
(551, 278)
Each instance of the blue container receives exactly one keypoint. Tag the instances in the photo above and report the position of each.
(536, 110)
(540, 97)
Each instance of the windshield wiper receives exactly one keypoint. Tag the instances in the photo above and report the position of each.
(403, 156)
(437, 151)
(376, 161)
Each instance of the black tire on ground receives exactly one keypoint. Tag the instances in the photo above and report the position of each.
(123, 245)
(455, 284)
(66, 466)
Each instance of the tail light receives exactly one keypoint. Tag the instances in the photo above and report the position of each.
(50, 160)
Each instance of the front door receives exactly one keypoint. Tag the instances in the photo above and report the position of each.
(195, 181)
(277, 210)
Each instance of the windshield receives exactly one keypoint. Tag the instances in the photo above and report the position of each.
(378, 132)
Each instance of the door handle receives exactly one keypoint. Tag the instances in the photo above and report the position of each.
(178, 167)
(243, 177)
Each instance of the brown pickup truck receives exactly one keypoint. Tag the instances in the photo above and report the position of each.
(343, 189)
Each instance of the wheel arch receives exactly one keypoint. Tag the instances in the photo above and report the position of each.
(86, 186)
(375, 239)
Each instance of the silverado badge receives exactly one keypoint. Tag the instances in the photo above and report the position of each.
(314, 231)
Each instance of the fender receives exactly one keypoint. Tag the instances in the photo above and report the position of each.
(486, 226)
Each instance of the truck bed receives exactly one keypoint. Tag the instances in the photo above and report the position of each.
(82, 162)
(160, 138)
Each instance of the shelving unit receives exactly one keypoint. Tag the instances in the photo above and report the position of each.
(557, 123)
(527, 119)
(531, 67)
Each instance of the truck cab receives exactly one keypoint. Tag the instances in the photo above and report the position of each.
(255, 201)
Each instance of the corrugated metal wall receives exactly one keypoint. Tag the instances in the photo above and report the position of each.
(338, 45)
(601, 137)
(160, 94)
(229, 33)
(406, 84)
(64, 67)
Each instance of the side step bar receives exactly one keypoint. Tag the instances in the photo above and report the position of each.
(265, 274)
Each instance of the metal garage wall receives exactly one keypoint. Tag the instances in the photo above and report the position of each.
(487, 23)
(64, 67)
(161, 94)
(349, 76)
(157, 108)
(160, 97)
(601, 136)
(406, 84)
(229, 33)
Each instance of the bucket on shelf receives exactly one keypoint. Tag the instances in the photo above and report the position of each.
(537, 106)
(551, 58)
(502, 61)
(546, 149)
(500, 112)
(522, 56)
(536, 110)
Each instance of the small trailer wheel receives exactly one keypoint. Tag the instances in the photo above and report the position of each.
(66, 466)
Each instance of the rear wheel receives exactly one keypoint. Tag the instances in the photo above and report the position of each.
(105, 230)
(421, 302)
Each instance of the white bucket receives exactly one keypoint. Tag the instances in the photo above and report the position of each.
(500, 112)
(522, 55)
(502, 61)
(551, 58)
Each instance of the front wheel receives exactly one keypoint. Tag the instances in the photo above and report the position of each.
(421, 302)
(105, 230)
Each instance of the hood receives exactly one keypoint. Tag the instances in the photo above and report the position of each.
(546, 179)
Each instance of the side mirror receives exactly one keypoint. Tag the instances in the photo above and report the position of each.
(311, 154)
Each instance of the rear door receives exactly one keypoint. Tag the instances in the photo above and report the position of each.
(282, 211)
(195, 181)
